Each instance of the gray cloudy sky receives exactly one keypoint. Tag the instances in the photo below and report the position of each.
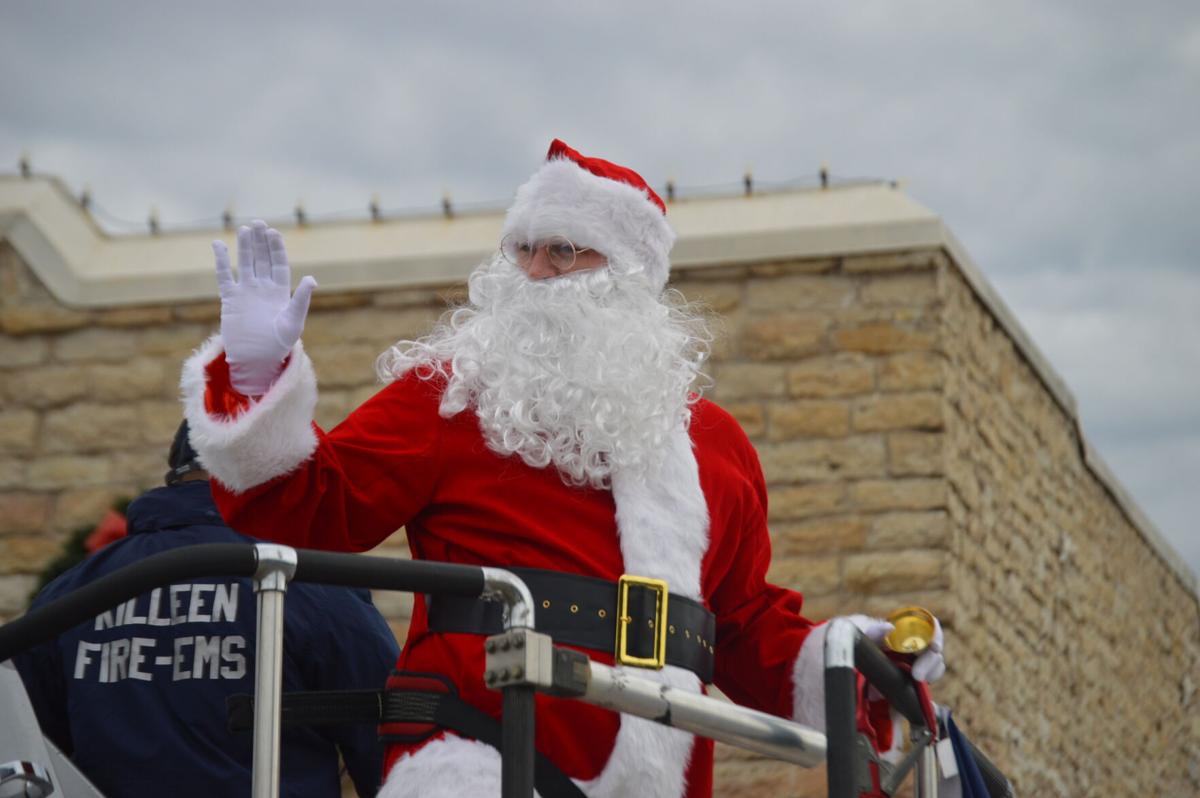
(1060, 141)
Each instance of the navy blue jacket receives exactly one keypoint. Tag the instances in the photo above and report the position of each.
(137, 696)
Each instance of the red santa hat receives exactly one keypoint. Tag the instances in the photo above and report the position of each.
(596, 204)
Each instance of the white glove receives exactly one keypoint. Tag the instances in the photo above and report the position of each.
(929, 666)
(260, 319)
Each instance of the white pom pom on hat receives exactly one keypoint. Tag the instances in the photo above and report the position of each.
(595, 204)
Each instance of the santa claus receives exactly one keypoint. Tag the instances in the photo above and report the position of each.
(554, 422)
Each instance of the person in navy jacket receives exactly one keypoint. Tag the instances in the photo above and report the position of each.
(136, 697)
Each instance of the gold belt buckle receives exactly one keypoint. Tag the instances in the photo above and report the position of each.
(623, 656)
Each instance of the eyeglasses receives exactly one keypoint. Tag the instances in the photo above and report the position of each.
(559, 250)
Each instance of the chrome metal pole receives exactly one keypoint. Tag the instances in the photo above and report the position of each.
(926, 785)
(276, 565)
(507, 588)
(518, 721)
(699, 714)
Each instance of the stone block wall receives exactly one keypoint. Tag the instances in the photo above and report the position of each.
(913, 456)
(1077, 647)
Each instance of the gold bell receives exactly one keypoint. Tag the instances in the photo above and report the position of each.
(914, 630)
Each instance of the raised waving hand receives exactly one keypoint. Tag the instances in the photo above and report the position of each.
(261, 319)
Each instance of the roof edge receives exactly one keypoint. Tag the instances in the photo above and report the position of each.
(1062, 395)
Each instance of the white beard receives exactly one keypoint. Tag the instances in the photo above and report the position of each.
(590, 372)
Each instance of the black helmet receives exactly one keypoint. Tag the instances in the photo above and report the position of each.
(182, 458)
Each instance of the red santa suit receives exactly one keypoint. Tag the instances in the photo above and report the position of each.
(699, 522)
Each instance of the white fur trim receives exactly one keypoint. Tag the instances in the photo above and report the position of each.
(611, 217)
(808, 687)
(447, 768)
(808, 681)
(663, 523)
(648, 759)
(271, 437)
(663, 519)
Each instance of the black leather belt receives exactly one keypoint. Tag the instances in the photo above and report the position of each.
(583, 611)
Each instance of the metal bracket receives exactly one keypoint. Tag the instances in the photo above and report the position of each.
(276, 566)
(862, 765)
(21, 779)
(506, 587)
(519, 657)
(900, 770)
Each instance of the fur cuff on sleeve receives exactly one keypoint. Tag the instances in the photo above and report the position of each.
(808, 680)
(271, 437)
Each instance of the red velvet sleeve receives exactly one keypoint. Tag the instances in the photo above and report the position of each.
(759, 625)
(367, 478)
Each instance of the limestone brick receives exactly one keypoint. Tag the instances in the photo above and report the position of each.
(408, 298)
(896, 571)
(831, 376)
(750, 778)
(750, 415)
(361, 394)
(12, 473)
(818, 535)
(133, 317)
(96, 344)
(68, 471)
(722, 273)
(803, 266)
(139, 378)
(15, 591)
(18, 431)
(177, 341)
(811, 575)
(44, 386)
(790, 502)
(142, 468)
(332, 408)
(28, 350)
(800, 292)
(198, 311)
(909, 530)
(783, 336)
(343, 365)
(378, 326)
(900, 289)
(393, 604)
(891, 262)
(91, 428)
(159, 420)
(823, 459)
(797, 419)
(326, 300)
(748, 381)
(898, 494)
(79, 507)
(916, 453)
(912, 371)
(883, 337)
(898, 411)
(26, 319)
(712, 296)
(24, 511)
(27, 553)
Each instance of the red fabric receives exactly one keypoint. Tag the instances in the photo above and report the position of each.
(220, 397)
(606, 169)
(111, 528)
(395, 462)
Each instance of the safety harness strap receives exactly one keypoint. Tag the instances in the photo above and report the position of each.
(404, 715)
